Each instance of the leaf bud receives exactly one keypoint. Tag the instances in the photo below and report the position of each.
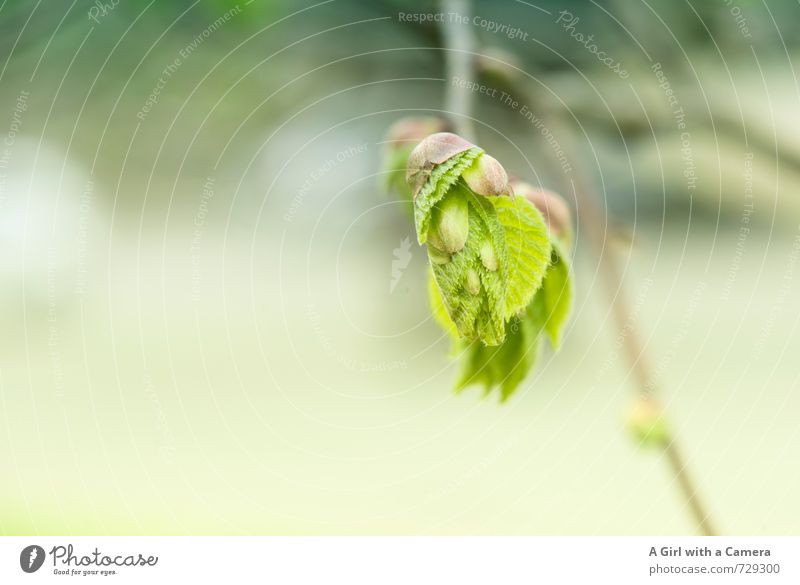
(473, 284)
(488, 257)
(436, 255)
(487, 177)
(647, 422)
(432, 151)
(449, 227)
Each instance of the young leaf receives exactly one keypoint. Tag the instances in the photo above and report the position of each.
(508, 364)
(442, 177)
(497, 284)
(440, 314)
(557, 294)
(528, 247)
(472, 294)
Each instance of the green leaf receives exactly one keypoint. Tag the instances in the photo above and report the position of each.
(507, 365)
(472, 294)
(528, 248)
(442, 177)
(440, 314)
(557, 293)
(498, 286)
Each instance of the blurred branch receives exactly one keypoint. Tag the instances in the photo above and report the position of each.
(459, 46)
(611, 276)
(594, 219)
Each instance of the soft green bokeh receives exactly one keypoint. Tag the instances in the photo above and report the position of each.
(199, 328)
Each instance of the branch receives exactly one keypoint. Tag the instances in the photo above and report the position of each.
(593, 219)
(459, 46)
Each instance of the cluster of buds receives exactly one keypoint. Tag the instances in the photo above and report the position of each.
(486, 177)
(495, 262)
(449, 227)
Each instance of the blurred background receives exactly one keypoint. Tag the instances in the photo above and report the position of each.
(201, 331)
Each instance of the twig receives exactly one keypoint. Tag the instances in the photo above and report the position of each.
(689, 490)
(459, 44)
(593, 219)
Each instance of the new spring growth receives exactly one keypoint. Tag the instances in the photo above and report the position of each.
(646, 421)
(500, 280)
(465, 213)
(487, 177)
(430, 152)
(449, 225)
(488, 257)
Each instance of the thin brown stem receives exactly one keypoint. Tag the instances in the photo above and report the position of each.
(459, 46)
(698, 510)
(592, 217)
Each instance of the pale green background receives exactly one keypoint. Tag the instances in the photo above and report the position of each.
(159, 376)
